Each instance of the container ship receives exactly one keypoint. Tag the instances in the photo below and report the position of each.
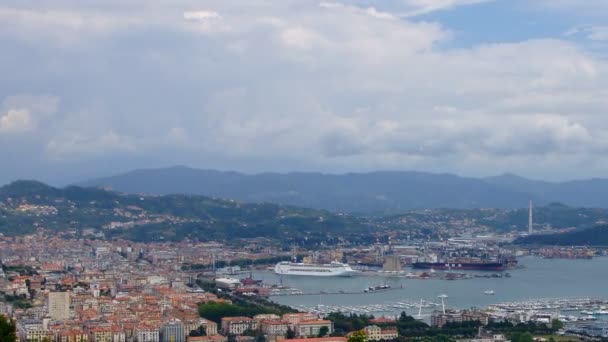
(481, 265)
(333, 269)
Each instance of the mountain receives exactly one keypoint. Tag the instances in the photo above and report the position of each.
(28, 205)
(591, 193)
(596, 236)
(375, 192)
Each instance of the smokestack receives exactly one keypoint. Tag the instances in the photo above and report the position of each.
(530, 219)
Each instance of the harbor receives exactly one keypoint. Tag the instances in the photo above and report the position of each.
(536, 278)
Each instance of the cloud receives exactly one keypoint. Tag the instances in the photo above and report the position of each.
(419, 7)
(16, 121)
(289, 84)
(23, 112)
(201, 15)
(78, 146)
(371, 11)
(41, 104)
(593, 33)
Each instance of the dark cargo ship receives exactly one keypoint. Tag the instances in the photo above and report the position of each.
(467, 265)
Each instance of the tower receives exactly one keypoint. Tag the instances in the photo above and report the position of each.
(59, 305)
(530, 219)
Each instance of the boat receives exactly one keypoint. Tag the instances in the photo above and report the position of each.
(377, 288)
(467, 264)
(489, 292)
(333, 269)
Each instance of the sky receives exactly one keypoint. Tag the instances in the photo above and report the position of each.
(472, 87)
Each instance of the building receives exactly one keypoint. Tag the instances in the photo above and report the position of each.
(73, 336)
(392, 263)
(475, 315)
(34, 333)
(209, 326)
(101, 334)
(320, 339)
(144, 333)
(312, 328)
(439, 318)
(295, 318)
(214, 338)
(59, 306)
(274, 327)
(375, 333)
(173, 331)
(118, 335)
(264, 317)
(238, 325)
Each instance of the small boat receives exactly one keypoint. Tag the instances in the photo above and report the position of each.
(489, 292)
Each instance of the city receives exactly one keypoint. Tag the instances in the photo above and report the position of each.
(303, 171)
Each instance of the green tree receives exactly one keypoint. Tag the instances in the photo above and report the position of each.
(522, 337)
(358, 336)
(260, 338)
(249, 332)
(200, 331)
(556, 324)
(290, 333)
(231, 338)
(323, 331)
(8, 330)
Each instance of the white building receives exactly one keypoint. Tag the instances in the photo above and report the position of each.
(59, 305)
(312, 328)
(147, 334)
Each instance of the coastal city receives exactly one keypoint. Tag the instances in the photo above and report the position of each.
(74, 290)
(304, 171)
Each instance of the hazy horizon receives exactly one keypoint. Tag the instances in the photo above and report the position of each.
(253, 173)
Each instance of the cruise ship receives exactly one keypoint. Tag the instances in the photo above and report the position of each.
(333, 269)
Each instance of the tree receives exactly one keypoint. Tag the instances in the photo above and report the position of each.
(260, 338)
(358, 336)
(8, 330)
(556, 324)
(522, 337)
(231, 338)
(290, 333)
(323, 331)
(249, 332)
(200, 331)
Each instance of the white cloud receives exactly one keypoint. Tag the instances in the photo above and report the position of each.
(23, 112)
(371, 11)
(333, 86)
(419, 7)
(78, 146)
(598, 33)
(202, 15)
(16, 121)
(40, 104)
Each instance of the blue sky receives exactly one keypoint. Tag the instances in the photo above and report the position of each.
(514, 21)
(470, 87)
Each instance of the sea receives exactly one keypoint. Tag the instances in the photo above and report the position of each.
(536, 278)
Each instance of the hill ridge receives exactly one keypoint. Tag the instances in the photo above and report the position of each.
(362, 192)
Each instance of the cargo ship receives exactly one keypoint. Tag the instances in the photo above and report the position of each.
(468, 265)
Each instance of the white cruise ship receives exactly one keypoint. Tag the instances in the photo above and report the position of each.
(334, 269)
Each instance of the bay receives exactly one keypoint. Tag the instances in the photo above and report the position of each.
(537, 278)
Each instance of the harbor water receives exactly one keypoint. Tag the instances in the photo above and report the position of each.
(537, 278)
